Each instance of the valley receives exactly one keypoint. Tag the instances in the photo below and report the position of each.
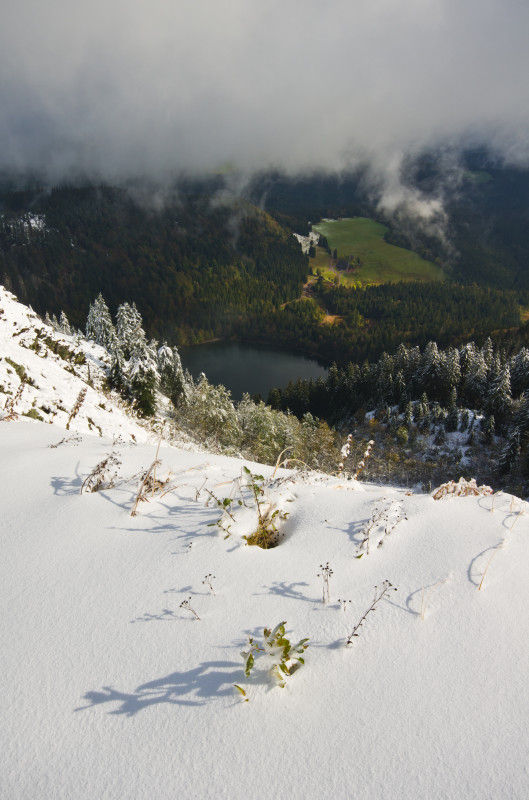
(360, 256)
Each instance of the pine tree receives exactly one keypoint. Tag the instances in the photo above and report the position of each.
(452, 418)
(64, 325)
(451, 371)
(475, 380)
(143, 373)
(499, 400)
(129, 328)
(511, 452)
(99, 325)
(520, 372)
(489, 429)
(464, 420)
(172, 381)
(488, 352)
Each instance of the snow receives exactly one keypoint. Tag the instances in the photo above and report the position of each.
(54, 382)
(112, 689)
(306, 242)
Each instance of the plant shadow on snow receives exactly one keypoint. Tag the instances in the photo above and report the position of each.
(165, 615)
(472, 567)
(196, 521)
(415, 597)
(187, 590)
(288, 590)
(355, 530)
(67, 485)
(195, 687)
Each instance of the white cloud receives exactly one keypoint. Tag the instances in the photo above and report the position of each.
(123, 88)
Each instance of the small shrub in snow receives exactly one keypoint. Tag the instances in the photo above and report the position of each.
(394, 518)
(286, 657)
(103, 475)
(209, 581)
(462, 488)
(325, 575)
(344, 454)
(33, 414)
(225, 504)
(150, 483)
(187, 605)
(74, 440)
(266, 534)
(11, 403)
(379, 595)
(77, 407)
(364, 459)
(386, 519)
(148, 486)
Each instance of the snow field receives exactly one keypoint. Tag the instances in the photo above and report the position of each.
(113, 690)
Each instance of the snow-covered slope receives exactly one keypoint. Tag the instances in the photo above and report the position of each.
(54, 370)
(113, 688)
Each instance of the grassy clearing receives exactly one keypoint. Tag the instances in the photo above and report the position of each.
(380, 262)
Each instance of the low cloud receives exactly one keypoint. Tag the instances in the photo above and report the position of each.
(114, 89)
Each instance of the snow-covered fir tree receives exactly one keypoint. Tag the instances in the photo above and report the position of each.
(143, 373)
(499, 399)
(128, 327)
(172, 381)
(99, 326)
(64, 325)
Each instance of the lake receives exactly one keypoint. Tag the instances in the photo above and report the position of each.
(251, 368)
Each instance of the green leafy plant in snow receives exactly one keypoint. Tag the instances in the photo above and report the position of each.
(286, 657)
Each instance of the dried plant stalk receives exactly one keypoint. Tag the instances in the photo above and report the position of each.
(77, 407)
(140, 495)
(496, 549)
(425, 598)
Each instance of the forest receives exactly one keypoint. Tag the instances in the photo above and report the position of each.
(195, 268)
(201, 263)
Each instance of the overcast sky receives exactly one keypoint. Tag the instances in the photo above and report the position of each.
(116, 89)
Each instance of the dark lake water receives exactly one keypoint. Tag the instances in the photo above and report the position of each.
(249, 368)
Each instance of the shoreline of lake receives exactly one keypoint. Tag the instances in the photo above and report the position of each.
(250, 367)
(261, 343)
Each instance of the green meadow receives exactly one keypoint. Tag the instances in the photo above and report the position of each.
(381, 262)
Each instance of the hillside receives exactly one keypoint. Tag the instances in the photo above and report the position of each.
(360, 241)
(194, 264)
(122, 638)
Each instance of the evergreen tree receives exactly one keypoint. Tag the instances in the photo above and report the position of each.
(520, 372)
(129, 328)
(64, 325)
(499, 400)
(99, 325)
(452, 418)
(143, 374)
(488, 352)
(172, 381)
(489, 429)
(464, 420)
(475, 379)
(431, 371)
(511, 451)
